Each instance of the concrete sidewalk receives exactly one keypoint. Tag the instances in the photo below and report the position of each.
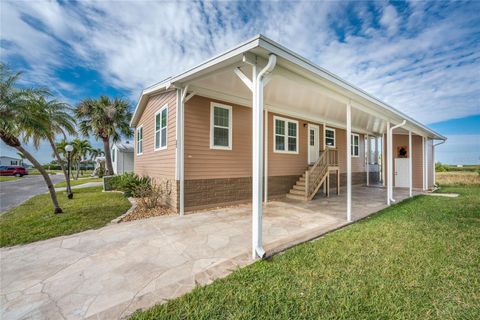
(111, 272)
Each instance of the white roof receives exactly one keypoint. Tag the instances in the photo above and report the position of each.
(124, 146)
(291, 64)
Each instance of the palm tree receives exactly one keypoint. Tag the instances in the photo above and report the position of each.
(80, 150)
(95, 153)
(22, 157)
(60, 121)
(19, 117)
(107, 120)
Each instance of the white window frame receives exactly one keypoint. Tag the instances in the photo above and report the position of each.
(353, 145)
(214, 105)
(286, 120)
(165, 107)
(139, 141)
(334, 137)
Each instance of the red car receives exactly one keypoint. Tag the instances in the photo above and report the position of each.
(16, 171)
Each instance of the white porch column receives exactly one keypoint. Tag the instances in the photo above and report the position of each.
(383, 158)
(389, 164)
(367, 156)
(265, 187)
(423, 164)
(181, 93)
(323, 149)
(426, 163)
(410, 157)
(349, 161)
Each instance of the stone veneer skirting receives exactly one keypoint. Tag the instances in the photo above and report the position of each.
(206, 193)
(209, 193)
(170, 189)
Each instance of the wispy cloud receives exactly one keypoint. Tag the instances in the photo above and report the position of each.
(421, 57)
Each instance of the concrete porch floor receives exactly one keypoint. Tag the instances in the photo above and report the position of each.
(111, 272)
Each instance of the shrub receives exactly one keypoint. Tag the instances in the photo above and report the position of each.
(128, 182)
(148, 195)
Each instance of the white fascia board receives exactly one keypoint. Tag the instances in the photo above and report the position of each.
(147, 93)
(174, 81)
(296, 59)
(236, 51)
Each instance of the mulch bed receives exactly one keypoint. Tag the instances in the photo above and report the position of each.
(143, 213)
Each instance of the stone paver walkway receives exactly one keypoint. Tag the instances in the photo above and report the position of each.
(111, 272)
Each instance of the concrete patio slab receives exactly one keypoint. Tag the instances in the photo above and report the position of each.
(111, 272)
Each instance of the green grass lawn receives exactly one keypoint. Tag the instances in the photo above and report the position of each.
(34, 220)
(8, 178)
(77, 182)
(419, 259)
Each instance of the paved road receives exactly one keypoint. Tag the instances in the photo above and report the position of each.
(13, 193)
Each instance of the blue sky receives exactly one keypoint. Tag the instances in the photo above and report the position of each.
(421, 57)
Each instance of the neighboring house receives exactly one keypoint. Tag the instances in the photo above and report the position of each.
(202, 132)
(10, 161)
(122, 157)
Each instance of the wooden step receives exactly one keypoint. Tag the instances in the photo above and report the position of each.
(297, 192)
(296, 197)
(297, 187)
(301, 179)
(300, 183)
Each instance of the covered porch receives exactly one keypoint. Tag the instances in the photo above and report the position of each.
(271, 80)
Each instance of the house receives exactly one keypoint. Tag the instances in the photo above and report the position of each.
(10, 161)
(260, 122)
(122, 157)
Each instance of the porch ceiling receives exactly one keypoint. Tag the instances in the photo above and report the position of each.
(290, 94)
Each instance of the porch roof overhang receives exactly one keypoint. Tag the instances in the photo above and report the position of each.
(298, 88)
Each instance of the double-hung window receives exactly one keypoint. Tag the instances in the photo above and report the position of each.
(286, 135)
(161, 119)
(330, 137)
(140, 140)
(355, 145)
(220, 126)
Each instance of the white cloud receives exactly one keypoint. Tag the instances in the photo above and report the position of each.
(390, 19)
(433, 66)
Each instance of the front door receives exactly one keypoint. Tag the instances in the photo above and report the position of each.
(401, 173)
(313, 143)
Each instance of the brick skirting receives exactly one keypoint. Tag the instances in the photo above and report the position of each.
(207, 193)
(357, 178)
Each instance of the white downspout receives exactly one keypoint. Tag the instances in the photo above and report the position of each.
(265, 187)
(257, 154)
(181, 148)
(433, 156)
(410, 169)
(390, 161)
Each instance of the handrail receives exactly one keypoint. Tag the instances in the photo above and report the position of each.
(315, 176)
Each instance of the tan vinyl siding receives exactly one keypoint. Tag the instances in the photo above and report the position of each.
(358, 163)
(201, 162)
(161, 163)
(417, 160)
(285, 164)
